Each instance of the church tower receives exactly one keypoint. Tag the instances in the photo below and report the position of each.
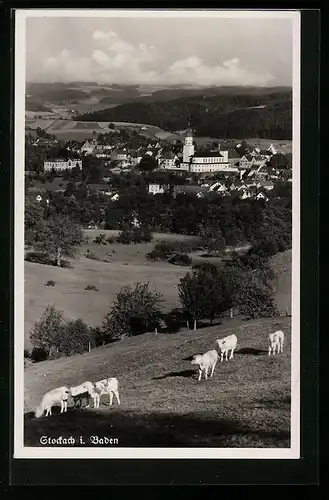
(188, 149)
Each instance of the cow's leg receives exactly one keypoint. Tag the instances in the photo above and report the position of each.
(117, 396)
(213, 369)
(111, 398)
(226, 355)
(62, 406)
(200, 373)
(47, 412)
(65, 405)
(206, 373)
(269, 351)
(221, 356)
(231, 356)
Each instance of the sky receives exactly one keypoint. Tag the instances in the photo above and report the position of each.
(155, 51)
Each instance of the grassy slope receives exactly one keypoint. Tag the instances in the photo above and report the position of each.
(246, 404)
(127, 264)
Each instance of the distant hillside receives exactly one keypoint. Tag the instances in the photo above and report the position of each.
(229, 115)
(55, 92)
(34, 105)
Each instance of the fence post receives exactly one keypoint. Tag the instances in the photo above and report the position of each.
(156, 331)
(89, 347)
(195, 324)
(187, 326)
(231, 313)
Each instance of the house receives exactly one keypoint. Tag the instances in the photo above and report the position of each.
(245, 161)
(88, 147)
(261, 196)
(61, 165)
(157, 188)
(168, 160)
(218, 187)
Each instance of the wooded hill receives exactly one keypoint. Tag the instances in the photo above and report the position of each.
(244, 115)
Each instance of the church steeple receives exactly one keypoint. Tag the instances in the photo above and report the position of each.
(188, 149)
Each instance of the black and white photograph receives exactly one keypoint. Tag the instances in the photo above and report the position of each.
(157, 184)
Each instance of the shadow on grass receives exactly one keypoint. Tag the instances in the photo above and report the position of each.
(134, 429)
(251, 350)
(183, 373)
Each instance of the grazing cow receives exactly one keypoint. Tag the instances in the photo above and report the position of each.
(59, 395)
(227, 344)
(82, 391)
(106, 386)
(275, 342)
(206, 362)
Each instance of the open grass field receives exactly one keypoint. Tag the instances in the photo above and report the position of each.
(118, 265)
(245, 404)
(125, 264)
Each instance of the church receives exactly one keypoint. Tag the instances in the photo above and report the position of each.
(204, 161)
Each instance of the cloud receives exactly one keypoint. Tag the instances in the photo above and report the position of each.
(115, 60)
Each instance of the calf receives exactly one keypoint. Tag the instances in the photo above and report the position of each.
(206, 362)
(108, 386)
(59, 395)
(275, 342)
(80, 392)
(227, 344)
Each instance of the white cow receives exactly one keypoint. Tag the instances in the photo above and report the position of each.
(59, 395)
(227, 344)
(275, 342)
(108, 386)
(85, 390)
(206, 362)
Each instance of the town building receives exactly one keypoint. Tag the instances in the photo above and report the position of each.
(204, 161)
(60, 165)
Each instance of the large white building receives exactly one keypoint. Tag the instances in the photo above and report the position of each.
(204, 161)
(61, 165)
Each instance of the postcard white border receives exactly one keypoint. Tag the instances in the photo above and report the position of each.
(145, 453)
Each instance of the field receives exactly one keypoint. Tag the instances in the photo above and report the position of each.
(245, 404)
(124, 264)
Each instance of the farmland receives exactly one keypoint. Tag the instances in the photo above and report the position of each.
(246, 404)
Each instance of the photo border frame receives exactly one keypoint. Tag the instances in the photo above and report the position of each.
(180, 471)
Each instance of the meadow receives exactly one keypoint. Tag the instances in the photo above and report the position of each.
(114, 266)
(245, 404)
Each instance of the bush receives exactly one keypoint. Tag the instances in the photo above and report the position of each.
(92, 287)
(135, 310)
(92, 255)
(50, 283)
(180, 260)
(39, 354)
(256, 299)
(27, 354)
(100, 240)
(74, 338)
(156, 254)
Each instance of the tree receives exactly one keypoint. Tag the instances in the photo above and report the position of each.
(46, 331)
(58, 236)
(256, 298)
(135, 310)
(33, 215)
(204, 294)
(75, 338)
(147, 164)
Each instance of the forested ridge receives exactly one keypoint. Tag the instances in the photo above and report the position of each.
(239, 116)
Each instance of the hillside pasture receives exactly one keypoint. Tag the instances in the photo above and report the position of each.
(245, 405)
